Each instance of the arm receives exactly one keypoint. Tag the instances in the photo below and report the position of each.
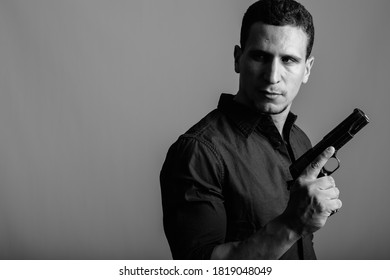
(270, 242)
(311, 202)
(193, 204)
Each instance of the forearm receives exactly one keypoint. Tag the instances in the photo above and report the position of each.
(270, 242)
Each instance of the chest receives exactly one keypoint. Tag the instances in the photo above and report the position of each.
(255, 183)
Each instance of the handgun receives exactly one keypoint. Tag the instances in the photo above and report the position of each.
(337, 138)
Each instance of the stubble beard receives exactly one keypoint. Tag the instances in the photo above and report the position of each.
(277, 112)
(269, 109)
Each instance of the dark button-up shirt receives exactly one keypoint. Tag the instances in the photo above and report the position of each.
(226, 178)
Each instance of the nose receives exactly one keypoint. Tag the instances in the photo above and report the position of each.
(272, 72)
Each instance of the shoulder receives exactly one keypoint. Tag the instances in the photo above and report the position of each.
(210, 130)
(206, 140)
(212, 123)
(199, 146)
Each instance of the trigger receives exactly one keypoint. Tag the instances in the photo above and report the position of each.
(331, 166)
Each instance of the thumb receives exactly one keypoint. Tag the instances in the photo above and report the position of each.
(314, 168)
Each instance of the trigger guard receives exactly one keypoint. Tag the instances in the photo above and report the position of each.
(329, 172)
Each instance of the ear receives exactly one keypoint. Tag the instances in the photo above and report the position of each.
(237, 56)
(308, 64)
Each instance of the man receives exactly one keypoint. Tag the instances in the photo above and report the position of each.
(225, 182)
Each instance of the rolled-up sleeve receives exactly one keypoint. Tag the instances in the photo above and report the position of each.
(194, 216)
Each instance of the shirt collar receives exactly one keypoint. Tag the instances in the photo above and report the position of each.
(248, 119)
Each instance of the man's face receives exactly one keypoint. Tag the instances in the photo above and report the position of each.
(272, 67)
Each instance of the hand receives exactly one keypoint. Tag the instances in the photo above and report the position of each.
(312, 199)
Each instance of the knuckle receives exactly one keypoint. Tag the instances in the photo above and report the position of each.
(302, 182)
(315, 164)
(332, 181)
(312, 191)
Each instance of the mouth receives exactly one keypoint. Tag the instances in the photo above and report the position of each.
(271, 94)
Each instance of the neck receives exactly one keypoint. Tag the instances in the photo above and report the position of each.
(280, 120)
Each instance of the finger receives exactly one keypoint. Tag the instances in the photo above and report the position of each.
(336, 193)
(335, 206)
(331, 193)
(315, 167)
(326, 182)
(328, 206)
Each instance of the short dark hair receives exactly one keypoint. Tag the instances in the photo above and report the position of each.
(279, 13)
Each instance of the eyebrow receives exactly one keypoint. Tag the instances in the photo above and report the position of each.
(268, 54)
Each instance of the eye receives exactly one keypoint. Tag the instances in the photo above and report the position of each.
(258, 57)
(289, 60)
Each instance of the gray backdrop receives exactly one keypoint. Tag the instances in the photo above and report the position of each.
(93, 92)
